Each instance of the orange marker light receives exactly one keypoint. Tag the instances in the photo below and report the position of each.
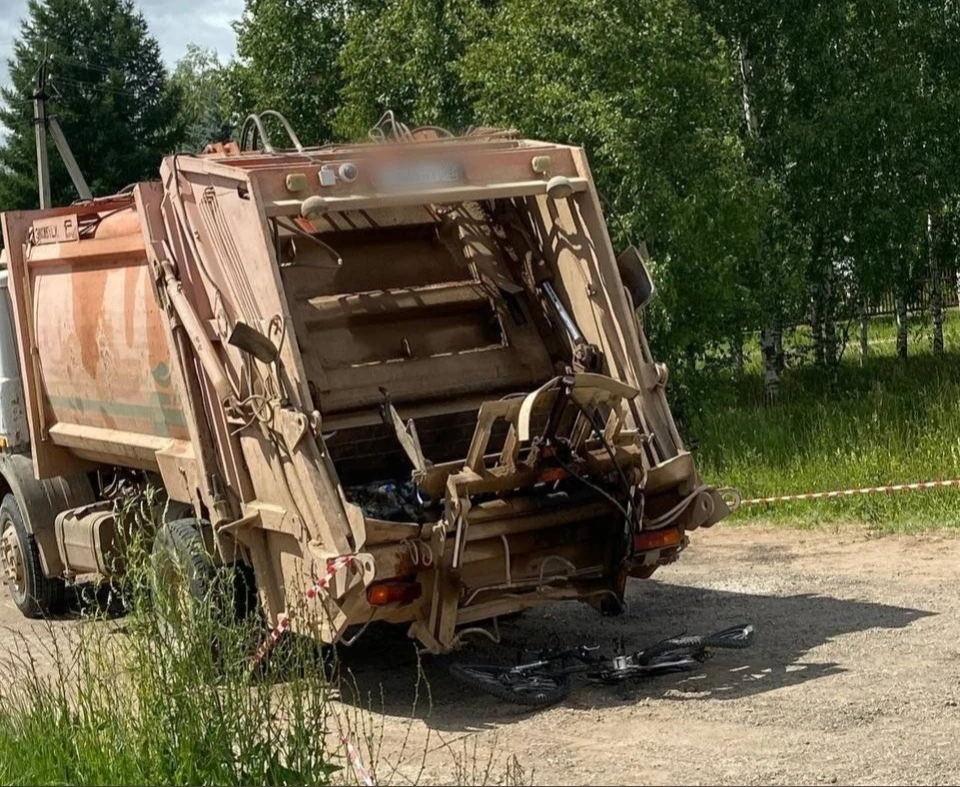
(382, 594)
(657, 539)
(552, 474)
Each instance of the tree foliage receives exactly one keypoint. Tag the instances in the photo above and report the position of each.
(287, 54)
(404, 55)
(785, 162)
(855, 98)
(649, 90)
(199, 78)
(782, 160)
(108, 89)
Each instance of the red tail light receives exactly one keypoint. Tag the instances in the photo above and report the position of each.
(657, 539)
(381, 594)
(552, 474)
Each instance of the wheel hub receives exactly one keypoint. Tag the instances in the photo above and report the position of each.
(11, 559)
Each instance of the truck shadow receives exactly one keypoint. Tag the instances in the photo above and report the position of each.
(383, 673)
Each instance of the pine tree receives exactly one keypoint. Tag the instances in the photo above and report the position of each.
(107, 87)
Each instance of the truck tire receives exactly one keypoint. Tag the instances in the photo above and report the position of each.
(35, 595)
(181, 557)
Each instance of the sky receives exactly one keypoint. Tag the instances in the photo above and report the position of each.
(174, 23)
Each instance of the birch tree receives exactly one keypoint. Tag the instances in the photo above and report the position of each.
(652, 93)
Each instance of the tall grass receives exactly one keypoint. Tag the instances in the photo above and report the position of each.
(168, 693)
(885, 422)
(165, 696)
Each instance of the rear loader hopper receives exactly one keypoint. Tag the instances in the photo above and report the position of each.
(420, 354)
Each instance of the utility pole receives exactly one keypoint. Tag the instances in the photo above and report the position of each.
(40, 127)
(44, 124)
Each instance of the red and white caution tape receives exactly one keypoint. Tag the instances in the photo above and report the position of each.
(283, 621)
(363, 773)
(333, 567)
(869, 490)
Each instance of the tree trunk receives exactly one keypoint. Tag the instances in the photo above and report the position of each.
(771, 374)
(830, 341)
(746, 74)
(864, 323)
(936, 293)
(816, 326)
(771, 338)
(957, 286)
(779, 358)
(830, 344)
(901, 307)
(736, 353)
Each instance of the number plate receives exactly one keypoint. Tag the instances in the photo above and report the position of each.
(413, 176)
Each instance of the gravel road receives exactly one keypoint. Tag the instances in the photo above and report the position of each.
(855, 676)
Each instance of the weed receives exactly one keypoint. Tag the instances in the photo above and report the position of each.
(160, 698)
(167, 694)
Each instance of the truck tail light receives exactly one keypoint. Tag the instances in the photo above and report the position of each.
(657, 539)
(381, 594)
(552, 474)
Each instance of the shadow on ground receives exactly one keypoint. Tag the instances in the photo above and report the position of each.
(383, 673)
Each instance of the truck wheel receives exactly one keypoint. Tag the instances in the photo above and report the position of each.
(182, 562)
(34, 594)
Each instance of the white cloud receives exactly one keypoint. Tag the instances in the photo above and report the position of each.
(177, 23)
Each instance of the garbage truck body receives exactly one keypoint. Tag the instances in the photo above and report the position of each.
(406, 376)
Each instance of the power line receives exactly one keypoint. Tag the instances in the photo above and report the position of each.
(102, 67)
(84, 64)
(102, 87)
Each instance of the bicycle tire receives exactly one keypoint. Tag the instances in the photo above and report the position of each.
(671, 661)
(533, 689)
(733, 638)
(690, 645)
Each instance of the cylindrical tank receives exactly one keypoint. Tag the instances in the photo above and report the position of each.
(104, 360)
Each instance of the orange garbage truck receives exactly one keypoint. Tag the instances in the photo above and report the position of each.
(418, 358)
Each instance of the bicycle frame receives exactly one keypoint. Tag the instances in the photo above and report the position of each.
(546, 680)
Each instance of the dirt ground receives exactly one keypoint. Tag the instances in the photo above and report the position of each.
(855, 676)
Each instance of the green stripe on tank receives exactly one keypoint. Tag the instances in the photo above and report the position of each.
(163, 413)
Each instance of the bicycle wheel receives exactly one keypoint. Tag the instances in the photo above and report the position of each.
(533, 689)
(691, 646)
(672, 661)
(733, 638)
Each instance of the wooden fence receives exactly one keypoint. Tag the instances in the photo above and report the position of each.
(920, 303)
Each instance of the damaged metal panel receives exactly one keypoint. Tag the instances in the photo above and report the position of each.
(419, 352)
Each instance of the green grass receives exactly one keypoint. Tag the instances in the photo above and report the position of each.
(169, 694)
(888, 422)
(148, 700)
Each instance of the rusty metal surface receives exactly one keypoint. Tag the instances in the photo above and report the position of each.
(349, 350)
(99, 338)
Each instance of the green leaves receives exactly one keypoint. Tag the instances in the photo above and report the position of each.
(404, 55)
(852, 97)
(648, 89)
(818, 202)
(108, 88)
(287, 60)
(199, 78)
